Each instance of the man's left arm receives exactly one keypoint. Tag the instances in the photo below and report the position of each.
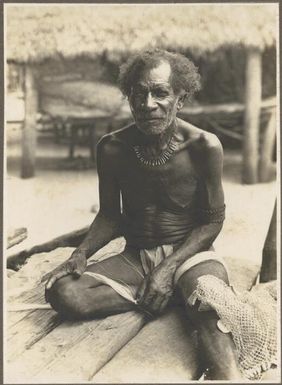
(158, 287)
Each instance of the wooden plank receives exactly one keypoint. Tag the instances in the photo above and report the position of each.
(29, 129)
(34, 295)
(74, 351)
(33, 327)
(27, 327)
(164, 351)
(12, 318)
(252, 115)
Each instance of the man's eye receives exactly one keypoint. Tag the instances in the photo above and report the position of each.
(160, 94)
(139, 94)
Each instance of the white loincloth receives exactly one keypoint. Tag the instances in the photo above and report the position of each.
(150, 258)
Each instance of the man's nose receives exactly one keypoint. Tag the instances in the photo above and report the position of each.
(150, 102)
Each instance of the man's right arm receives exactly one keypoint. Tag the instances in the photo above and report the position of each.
(107, 224)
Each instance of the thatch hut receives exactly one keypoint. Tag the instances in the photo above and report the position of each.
(91, 31)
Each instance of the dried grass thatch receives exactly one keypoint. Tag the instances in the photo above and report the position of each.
(37, 32)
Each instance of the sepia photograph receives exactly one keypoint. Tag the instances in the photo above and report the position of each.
(141, 193)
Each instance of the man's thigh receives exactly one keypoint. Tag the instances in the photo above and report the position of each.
(124, 268)
(187, 283)
(86, 296)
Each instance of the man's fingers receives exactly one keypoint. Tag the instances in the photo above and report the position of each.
(55, 277)
(148, 298)
(157, 303)
(162, 304)
(77, 273)
(148, 313)
(70, 267)
(46, 295)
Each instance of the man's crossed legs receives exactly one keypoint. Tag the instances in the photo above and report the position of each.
(86, 297)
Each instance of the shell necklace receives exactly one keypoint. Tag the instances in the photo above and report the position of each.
(159, 160)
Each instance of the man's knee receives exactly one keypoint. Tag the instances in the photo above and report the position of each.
(188, 284)
(188, 281)
(66, 298)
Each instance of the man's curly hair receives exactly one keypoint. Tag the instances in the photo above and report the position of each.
(184, 74)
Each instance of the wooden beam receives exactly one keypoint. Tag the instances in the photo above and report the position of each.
(167, 349)
(229, 133)
(267, 146)
(224, 108)
(16, 236)
(29, 128)
(252, 114)
(48, 353)
(269, 253)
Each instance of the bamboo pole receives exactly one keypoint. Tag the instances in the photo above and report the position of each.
(267, 146)
(29, 128)
(269, 258)
(252, 114)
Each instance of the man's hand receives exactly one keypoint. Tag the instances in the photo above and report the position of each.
(75, 265)
(156, 289)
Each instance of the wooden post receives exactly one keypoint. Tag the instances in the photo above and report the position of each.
(269, 263)
(29, 128)
(252, 114)
(267, 145)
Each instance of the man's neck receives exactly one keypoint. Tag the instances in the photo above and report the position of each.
(155, 144)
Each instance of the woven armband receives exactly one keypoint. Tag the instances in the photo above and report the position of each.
(216, 215)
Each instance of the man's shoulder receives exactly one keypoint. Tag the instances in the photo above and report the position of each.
(208, 143)
(199, 140)
(115, 140)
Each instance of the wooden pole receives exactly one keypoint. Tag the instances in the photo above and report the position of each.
(252, 114)
(15, 236)
(29, 128)
(269, 258)
(267, 145)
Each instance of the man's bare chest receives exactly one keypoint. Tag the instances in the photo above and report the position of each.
(173, 184)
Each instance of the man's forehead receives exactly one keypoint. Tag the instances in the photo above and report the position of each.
(159, 74)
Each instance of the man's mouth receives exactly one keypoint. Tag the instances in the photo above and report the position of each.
(150, 119)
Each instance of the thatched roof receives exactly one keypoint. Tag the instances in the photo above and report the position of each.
(37, 32)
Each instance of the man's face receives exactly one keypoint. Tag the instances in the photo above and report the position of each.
(152, 100)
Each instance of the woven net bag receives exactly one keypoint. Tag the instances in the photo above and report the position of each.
(250, 317)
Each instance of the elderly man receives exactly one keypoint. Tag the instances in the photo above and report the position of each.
(160, 187)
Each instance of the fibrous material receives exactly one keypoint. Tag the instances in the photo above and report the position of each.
(249, 316)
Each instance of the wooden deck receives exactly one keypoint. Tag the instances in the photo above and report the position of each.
(42, 348)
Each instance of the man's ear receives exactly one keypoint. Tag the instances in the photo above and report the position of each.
(181, 98)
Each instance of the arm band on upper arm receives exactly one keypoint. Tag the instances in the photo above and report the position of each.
(216, 215)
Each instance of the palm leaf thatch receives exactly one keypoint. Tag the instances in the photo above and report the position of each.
(35, 33)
